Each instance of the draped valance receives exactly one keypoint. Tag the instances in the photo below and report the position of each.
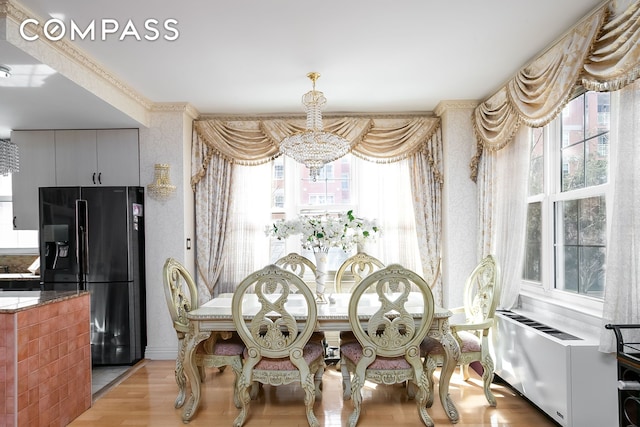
(254, 141)
(601, 52)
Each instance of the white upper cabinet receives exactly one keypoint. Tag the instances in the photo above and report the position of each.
(51, 158)
(37, 169)
(97, 157)
(118, 157)
(76, 162)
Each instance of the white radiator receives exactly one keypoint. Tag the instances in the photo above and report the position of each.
(566, 377)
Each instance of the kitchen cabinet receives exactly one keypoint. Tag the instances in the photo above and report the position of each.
(37, 169)
(97, 157)
(49, 158)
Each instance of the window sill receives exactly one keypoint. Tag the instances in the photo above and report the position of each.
(562, 311)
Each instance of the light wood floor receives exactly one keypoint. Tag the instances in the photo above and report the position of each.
(146, 396)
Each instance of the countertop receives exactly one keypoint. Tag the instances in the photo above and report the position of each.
(12, 301)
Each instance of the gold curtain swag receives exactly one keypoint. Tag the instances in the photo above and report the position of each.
(602, 52)
(256, 141)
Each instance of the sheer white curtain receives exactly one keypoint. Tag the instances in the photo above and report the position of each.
(622, 291)
(384, 193)
(502, 192)
(247, 246)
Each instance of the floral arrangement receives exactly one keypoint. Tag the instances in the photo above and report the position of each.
(321, 232)
(362, 229)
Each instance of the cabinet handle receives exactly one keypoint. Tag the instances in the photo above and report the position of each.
(100, 178)
(14, 222)
(93, 178)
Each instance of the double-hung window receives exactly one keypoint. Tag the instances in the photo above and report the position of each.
(567, 205)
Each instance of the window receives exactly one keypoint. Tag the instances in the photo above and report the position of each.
(568, 195)
(278, 170)
(12, 240)
(325, 194)
(350, 183)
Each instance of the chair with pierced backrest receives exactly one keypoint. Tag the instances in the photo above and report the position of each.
(304, 268)
(481, 296)
(387, 350)
(213, 352)
(275, 314)
(297, 264)
(358, 266)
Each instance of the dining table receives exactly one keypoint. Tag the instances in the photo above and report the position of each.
(215, 317)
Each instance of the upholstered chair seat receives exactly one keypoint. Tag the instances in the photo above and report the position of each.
(311, 351)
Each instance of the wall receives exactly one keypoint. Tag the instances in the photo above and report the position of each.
(168, 223)
(459, 199)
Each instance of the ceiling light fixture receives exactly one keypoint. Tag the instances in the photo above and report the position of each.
(314, 147)
(5, 72)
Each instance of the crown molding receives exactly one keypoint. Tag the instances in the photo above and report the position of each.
(175, 107)
(17, 14)
(302, 116)
(443, 106)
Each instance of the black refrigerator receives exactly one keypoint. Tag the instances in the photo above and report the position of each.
(92, 238)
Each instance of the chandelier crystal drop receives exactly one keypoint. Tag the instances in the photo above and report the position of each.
(9, 159)
(314, 147)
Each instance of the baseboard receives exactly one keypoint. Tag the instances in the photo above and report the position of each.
(160, 353)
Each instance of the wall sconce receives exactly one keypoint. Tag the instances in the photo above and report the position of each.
(161, 188)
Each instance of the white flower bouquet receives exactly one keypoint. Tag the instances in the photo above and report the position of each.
(321, 232)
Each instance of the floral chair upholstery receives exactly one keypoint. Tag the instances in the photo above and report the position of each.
(387, 350)
(481, 295)
(279, 350)
(216, 351)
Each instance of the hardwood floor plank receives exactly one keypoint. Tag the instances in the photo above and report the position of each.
(146, 396)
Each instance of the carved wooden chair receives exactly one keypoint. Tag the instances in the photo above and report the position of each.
(182, 296)
(276, 325)
(481, 295)
(304, 268)
(387, 350)
(358, 266)
(298, 264)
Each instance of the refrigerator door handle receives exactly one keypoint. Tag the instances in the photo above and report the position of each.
(82, 239)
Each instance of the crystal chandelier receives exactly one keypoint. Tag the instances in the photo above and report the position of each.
(8, 157)
(314, 147)
(161, 188)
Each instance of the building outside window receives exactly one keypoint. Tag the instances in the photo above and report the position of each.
(568, 194)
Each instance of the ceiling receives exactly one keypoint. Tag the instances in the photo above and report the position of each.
(249, 57)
